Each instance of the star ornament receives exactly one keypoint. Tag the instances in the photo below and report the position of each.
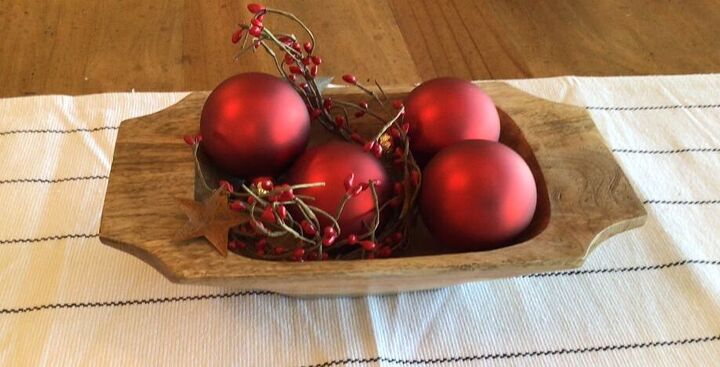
(211, 218)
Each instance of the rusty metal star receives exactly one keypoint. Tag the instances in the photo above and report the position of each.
(211, 218)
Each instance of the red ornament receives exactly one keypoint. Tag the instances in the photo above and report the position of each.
(254, 124)
(333, 163)
(477, 195)
(443, 111)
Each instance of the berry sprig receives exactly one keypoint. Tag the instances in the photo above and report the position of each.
(283, 224)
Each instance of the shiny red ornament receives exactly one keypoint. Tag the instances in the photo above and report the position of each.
(443, 111)
(254, 124)
(477, 195)
(333, 163)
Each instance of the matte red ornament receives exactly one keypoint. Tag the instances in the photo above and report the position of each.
(333, 163)
(443, 111)
(254, 124)
(477, 195)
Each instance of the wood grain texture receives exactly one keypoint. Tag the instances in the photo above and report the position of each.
(584, 198)
(83, 46)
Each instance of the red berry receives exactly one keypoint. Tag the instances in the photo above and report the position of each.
(296, 47)
(397, 236)
(265, 183)
(255, 31)
(316, 113)
(369, 146)
(395, 133)
(314, 71)
(385, 251)
(256, 226)
(256, 22)
(251, 200)
(232, 245)
(414, 177)
(260, 252)
(329, 231)
(295, 69)
(397, 104)
(285, 39)
(308, 228)
(360, 114)
(279, 250)
(306, 60)
(299, 252)
(339, 121)
(399, 153)
(349, 180)
(282, 212)
(352, 239)
(267, 215)
(398, 188)
(377, 150)
(289, 59)
(350, 79)
(237, 206)
(364, 105)
(292, 77)
(328, 241)
(262, 243)
(189, 140)
(308, 46)
(312, 256)
(226, 185)
(327, 103)
(261, 17)
(237, 35)
(368, 245)
(357, 138)
(316, 60)
(287, 194)
(255, 8)
(198, 138)
(358, 189)
(303, 85)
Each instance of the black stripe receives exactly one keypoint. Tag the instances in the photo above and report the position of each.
(57, 131)
(245, 293)
(133, 302)
(666, 151)
(624, 269)
(53, 180)
(49, 238)
(650, 108)
(494, 356)
(682, 202)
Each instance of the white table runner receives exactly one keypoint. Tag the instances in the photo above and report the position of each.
(650, 296)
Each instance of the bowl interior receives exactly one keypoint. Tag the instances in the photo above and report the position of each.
(421, 241)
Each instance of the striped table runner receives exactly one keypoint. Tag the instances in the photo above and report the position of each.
(650, 296)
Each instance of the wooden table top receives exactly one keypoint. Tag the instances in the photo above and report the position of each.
(83, 46)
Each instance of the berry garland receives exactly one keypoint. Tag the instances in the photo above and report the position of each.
(272, 232)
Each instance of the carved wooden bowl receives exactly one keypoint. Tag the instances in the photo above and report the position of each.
(583, 199)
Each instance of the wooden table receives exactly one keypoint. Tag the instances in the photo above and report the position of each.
(83, 46)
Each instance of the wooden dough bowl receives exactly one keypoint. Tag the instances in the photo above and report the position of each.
(583, 199)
